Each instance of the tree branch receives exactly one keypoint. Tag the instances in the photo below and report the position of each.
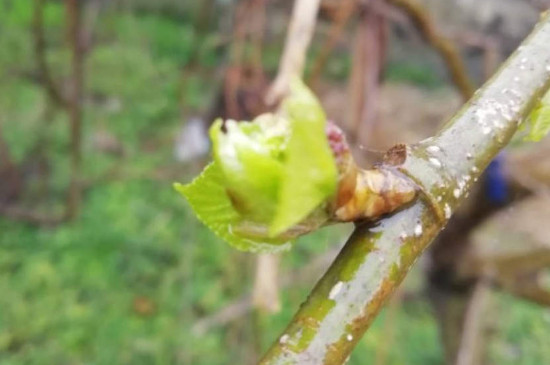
(243, 305)
(52, 89)
(75, 35)
(342, 17)
(442, 45)
(471, 342)
(377, 256)
(367, 67)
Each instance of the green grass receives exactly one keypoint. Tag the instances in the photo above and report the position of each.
(420, 74)
(67, 294)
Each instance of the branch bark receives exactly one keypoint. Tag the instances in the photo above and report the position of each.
(377, 256)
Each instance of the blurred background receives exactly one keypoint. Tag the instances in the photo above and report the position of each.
(105, 103)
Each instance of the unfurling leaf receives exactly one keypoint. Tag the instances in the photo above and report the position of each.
(310, 174)
(271, 179)
(286, 174)
(250, 158)
(537, 125)
(210, 202)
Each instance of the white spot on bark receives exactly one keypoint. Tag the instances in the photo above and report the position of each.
(418, 230)
(284, 339)
(433, 149)
(435, 162)
(456, 193)
(349, 337)
(448, 211)
(335, 290)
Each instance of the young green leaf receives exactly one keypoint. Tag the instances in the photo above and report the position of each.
(537, 125)
(211, 204)
(271, 178)
(250, 164)
(310, 175)
(539, 120)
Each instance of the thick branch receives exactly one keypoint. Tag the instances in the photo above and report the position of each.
(377, 257)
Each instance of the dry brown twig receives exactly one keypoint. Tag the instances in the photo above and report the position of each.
(541, 5)
(442, 45)
(489, 45)
(300, 33)
(368, 62)
(72, 103)
(76, 41)
(470, 350)
(342, 17)
(265, 295)
(53, 90)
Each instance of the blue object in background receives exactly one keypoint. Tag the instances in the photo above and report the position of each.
(496, 186)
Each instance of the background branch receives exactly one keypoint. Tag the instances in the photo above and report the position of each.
(378, 256)
(471, 342)
(343, 15)
(302, 25)
(442, 45)
(52, 89)
(75, 36)
(300, 33)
